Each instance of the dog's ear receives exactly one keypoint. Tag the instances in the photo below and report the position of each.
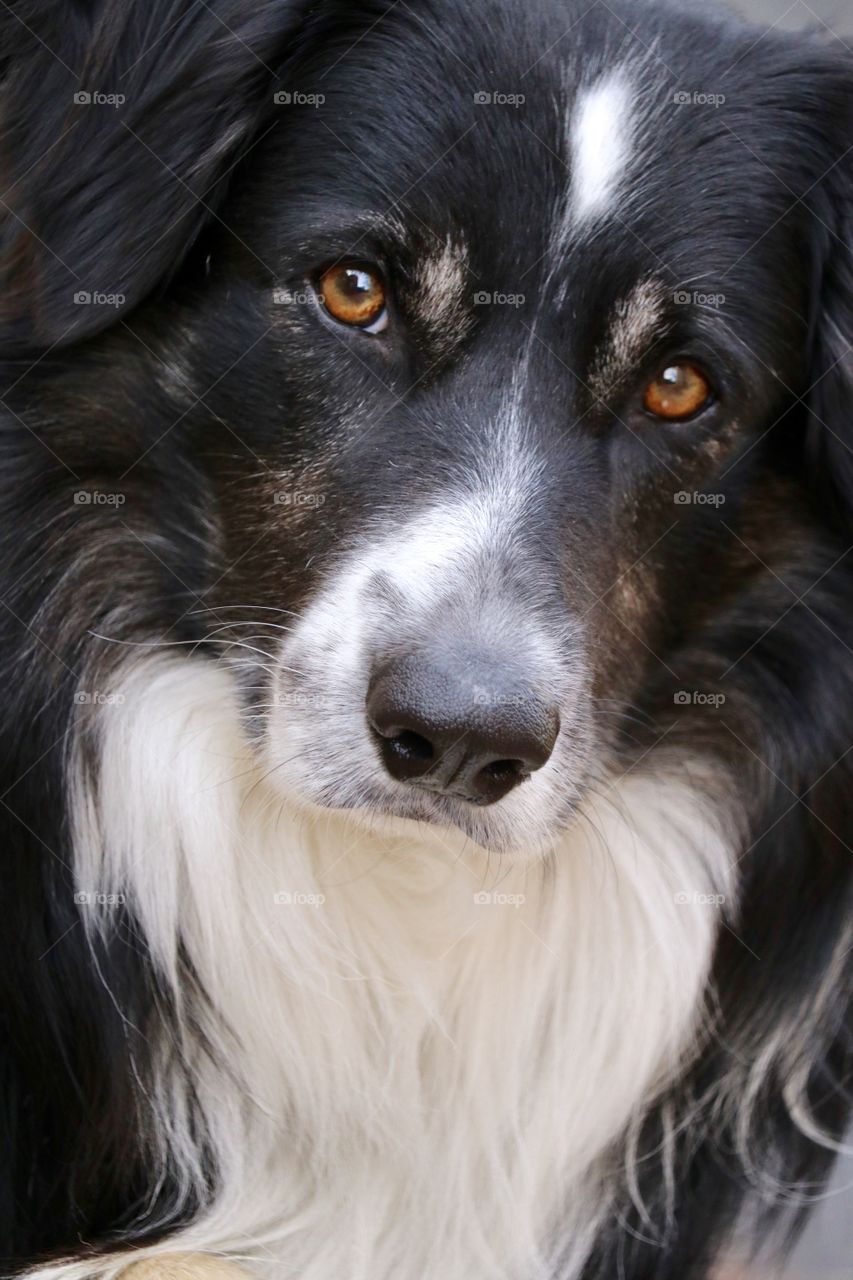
(829, 399)
(118, 122)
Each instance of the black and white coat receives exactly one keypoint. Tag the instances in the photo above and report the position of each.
(258, 998)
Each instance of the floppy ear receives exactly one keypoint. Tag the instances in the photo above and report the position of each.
(119, 121)
(830, 396)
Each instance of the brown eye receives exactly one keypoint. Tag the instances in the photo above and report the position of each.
(354, 295)
(678, 392)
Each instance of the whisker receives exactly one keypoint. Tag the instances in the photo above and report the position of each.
(271, 608)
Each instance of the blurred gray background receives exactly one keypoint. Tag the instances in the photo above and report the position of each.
(826, 1251)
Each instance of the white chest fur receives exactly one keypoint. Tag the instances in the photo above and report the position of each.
(420, 1054)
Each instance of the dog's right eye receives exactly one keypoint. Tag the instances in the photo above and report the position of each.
(354, 294)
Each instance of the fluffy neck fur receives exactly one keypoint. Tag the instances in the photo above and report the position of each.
(411, 1058)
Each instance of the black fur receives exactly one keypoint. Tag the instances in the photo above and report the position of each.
(193, 200)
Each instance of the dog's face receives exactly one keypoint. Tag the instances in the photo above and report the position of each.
(520, 304)
(495, 348)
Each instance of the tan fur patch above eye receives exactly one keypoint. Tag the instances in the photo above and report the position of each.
(440, 294)
(635, 321)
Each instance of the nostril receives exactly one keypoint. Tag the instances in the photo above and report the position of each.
(503, 770)
(411, 746)
(407, 754)
(495, 779)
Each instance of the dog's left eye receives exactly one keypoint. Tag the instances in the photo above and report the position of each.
(678, 392)
(354, 294)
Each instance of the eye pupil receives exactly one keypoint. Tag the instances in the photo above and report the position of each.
(354, 281)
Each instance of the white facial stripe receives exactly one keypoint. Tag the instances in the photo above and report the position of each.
(601, 131)
(437, 551)
(451, 539)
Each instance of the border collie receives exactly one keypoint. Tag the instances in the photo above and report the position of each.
(427, 505)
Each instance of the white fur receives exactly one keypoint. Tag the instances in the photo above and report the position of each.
(406, 1081)
(601, 134)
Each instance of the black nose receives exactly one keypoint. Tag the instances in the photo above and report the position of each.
(459, 724)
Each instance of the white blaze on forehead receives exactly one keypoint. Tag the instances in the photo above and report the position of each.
(600, 143)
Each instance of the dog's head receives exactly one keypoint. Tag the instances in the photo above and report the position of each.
(502, 334)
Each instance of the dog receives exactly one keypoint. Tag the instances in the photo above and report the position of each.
(427, 480)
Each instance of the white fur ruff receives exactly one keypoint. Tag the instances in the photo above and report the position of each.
(424, 1058)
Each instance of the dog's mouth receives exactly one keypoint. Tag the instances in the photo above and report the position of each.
(500, 806)
(443, 817)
